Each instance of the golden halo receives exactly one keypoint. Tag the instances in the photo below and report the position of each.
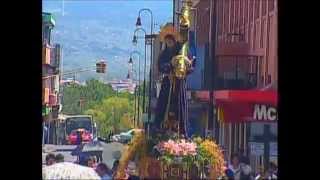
(168, 29)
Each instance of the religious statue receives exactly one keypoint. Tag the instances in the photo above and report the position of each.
(175, 62)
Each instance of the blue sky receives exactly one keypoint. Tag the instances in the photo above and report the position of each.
(88, 26)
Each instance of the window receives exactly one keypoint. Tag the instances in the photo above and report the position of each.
(236, 16)
(274, 129)
(257, 9)
(257, 35)
(256, 129)
(264, 8)
(270, 5)
(240, 136)
(232, 16)
(76, 123)
(262, 36)
(226, 16)
(241, 14)
(251, 3)
(245, 12)
(220, 18)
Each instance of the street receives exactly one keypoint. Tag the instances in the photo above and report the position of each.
(65, 150)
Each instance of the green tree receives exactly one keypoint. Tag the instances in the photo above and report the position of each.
(92, 93)
(113, 114)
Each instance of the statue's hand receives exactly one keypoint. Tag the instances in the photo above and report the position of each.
(189, 61)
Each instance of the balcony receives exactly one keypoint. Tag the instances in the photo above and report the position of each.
(51, 56)
(237, 73)
(56, 58)
(45, 95)
(46, 55)
(247, 82)
(53, 99)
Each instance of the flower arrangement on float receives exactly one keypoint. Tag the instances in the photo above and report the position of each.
(179, 151)
(193, 152)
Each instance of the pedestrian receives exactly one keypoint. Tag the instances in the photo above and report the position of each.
(246, 170)
(104, 171)
(271, 172)
(229, 173)
(59, 158)
(79, 138)
(91, 162)
(235, 166)
(45, 134)
(50, 159)
(131, 171)
(261, 174)
(115, 166)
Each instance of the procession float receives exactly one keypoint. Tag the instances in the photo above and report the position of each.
(166, 151)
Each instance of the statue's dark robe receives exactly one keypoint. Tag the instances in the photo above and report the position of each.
(178, 102)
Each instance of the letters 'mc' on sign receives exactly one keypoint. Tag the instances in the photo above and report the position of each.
(264, 113)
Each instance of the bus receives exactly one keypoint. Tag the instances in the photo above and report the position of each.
(69, 124)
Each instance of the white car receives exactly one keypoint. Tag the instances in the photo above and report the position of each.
(123, 137)
(115, 138)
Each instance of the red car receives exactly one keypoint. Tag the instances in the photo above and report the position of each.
(86, 136)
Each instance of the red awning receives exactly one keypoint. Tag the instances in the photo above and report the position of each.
(238, 106)
(253, 96)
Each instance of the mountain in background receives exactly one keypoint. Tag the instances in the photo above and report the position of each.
(94, 30)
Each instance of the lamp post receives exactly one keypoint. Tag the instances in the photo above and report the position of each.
(134, 41)
(138, 24)
(135, 89)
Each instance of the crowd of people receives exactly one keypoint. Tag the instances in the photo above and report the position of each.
(240, 169)
(101, 168)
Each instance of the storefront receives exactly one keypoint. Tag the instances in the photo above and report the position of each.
(248, 123)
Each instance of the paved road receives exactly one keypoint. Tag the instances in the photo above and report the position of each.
(108, 150)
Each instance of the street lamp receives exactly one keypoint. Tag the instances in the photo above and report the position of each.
(139, 72)
(145, 64)
(134, 40)
(138, 23)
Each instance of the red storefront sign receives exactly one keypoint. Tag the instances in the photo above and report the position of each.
(239, 112)
(239, 106)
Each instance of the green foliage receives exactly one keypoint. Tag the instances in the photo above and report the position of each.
(111, 111)
(93, 93)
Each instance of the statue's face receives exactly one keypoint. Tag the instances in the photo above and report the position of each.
(170, 42)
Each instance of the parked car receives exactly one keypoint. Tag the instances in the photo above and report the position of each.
(123, 137)
(115, 138)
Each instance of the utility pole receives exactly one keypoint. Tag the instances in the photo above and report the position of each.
(212, 43)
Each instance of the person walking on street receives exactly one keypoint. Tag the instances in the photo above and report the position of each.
(272, 171)
(261, 174)
(91, 162)
(246, 170)
(104, 171)
(79, 138)
(131, 171)
(50, 159)
(235, 166)
(45, 134)
(59, 158)
(115, 166)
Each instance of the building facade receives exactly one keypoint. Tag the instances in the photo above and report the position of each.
(236, 45)
(245, 77)
(51, 57)
(244, 74)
